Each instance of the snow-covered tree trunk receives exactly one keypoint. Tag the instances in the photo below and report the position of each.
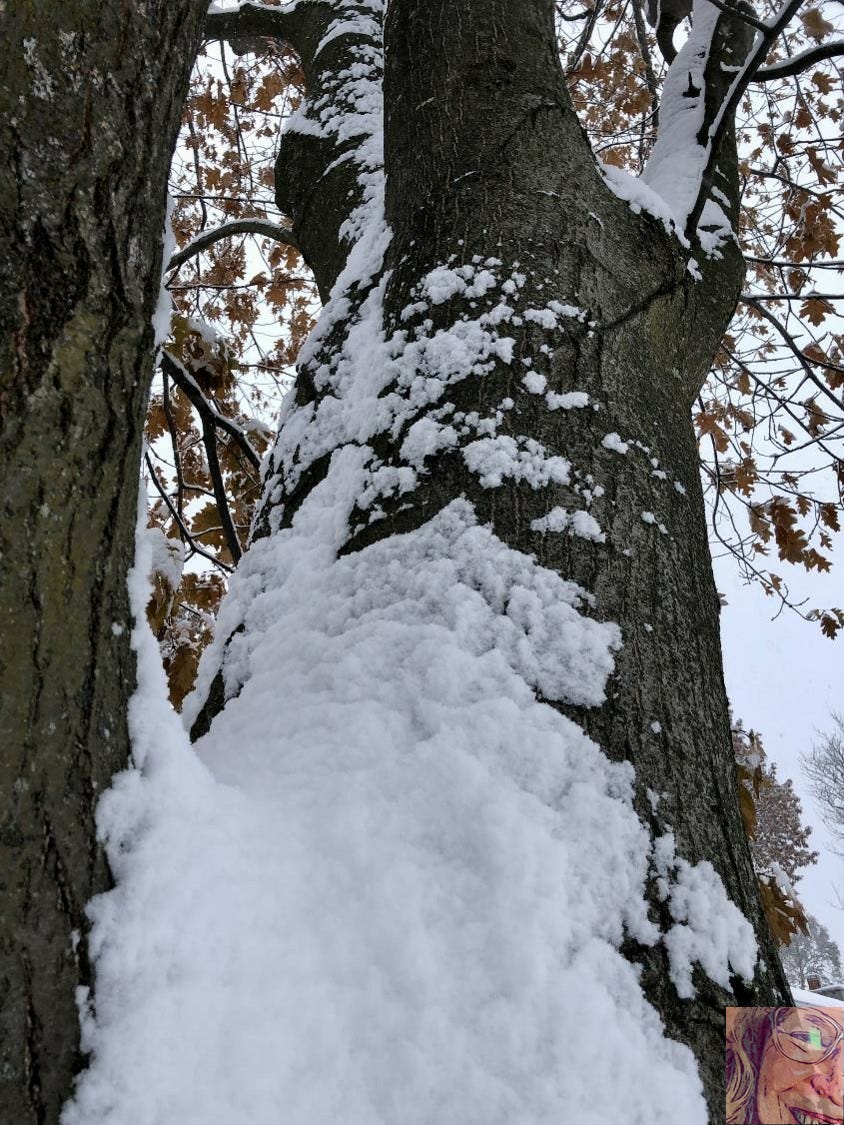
(487, 480)
(90, 101)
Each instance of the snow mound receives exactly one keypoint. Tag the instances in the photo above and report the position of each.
(392, 886)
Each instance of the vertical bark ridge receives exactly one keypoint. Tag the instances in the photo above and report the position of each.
(90, 100)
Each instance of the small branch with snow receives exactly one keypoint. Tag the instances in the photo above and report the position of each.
(764, 40)
(262, 227)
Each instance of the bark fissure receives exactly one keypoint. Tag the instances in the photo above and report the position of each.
(90, 101)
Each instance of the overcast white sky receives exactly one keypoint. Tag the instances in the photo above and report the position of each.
(783, 678)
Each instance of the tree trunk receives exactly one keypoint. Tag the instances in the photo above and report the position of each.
(90, 103)
(610, 329)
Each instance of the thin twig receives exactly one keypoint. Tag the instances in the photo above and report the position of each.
(185, 533)
(186, 383)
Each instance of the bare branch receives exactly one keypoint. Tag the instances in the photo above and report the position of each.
(251, 21)
(262, 227)
(209, 440)
(583, 41)
(788, 340)
(812, 295)
(798, 63)
(184, 531)
(207, 412)
(644, 51)
(210, 419)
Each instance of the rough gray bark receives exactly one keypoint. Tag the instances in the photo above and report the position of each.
(656, 329)
(90, 102)
(484, 156)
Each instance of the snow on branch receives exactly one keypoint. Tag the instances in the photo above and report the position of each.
(695, 115)
(758, 52)
(678, 159)
(262, 227)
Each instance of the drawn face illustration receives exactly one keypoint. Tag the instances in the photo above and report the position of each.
(800, 1076)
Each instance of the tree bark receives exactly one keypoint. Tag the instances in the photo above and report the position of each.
(90, 103)
(485, 161)
(484, 156)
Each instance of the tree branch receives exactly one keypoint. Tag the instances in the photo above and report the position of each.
(185, 532)
(251, 21)
(785, 263)
(737, 13)
(174, 441)
(262, 227)
(592, 18)
(798, 63)
(812, 295)
(210, 419)
(209, 440)
(650, 76)
(186, 383)
(724, 118)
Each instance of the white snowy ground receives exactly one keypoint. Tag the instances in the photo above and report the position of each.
(805, 999)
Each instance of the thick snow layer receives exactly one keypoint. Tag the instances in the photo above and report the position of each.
(392, 885)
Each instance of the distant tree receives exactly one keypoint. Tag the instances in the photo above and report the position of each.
(814, 951)
(824, 767)
(779, 841)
